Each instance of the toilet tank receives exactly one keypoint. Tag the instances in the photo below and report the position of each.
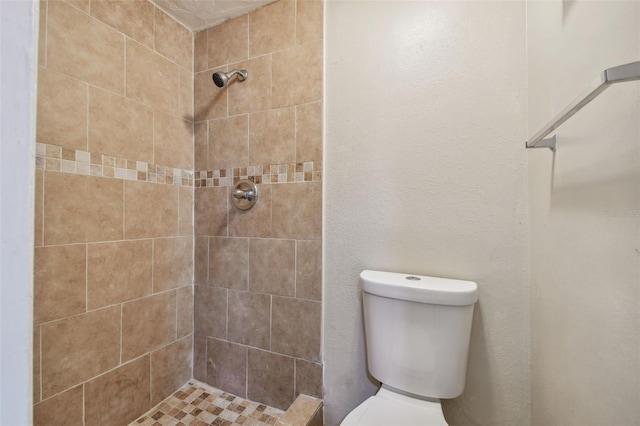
(417, 331)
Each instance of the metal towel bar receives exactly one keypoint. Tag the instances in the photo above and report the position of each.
(619, 74)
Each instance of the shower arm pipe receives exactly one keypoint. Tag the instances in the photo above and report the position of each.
(619, 74)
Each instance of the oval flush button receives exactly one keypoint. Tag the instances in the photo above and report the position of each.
(412, 278)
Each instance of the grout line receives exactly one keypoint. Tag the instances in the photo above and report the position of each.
(206, 356)
(248, 264)
(153, 284)
(86, 278)
(150, 379)
(88, 117)
(295, 23)
(124, 211)
(42, 240)
(40, 359)
(121, 327)
(226, 331)
(84, 404)
(295, 268)
(176, 337)
(246, 375)
(153, 41)
(208, 254)
(153, 136)
(125, 66)
(270, 320)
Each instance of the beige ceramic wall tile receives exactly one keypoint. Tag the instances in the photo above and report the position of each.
(309, 132)
(83, 5)
(200, 59)
(59, 282)
(254, 94)
(78, 348)
(272, 266)
(173, 40)
(132, 17)
(150, 210)
(210, 311)
(85, 48)
(65, 408)
(270, 378)
(272, 27)
(211, 211)
(228, 42)
(249, 319)
(229, 262)
(255, 222)
(229, 142)
(297, 210)
(119, 396)
(148, 324)
(62, 110)
(308, 378)
(170, 368)
(209, 101)
(172, 263)
(117, 272)
(186, 95)
(173, 141)
(308, 21)
(297, 75)
(201, 260)
(119, 126)
(36, 364)
(309, 269)
(227, 366)
(184, 300)
(151, 78)
(81, 208)
(42, 34)
(201, 142)
(38, 208)
(185, 225)
(295, 328)
(273, 137)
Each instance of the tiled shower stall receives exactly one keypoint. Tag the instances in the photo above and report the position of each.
(145, 274)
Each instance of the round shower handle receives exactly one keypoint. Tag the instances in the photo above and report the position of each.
(241, 194)
(244, 194)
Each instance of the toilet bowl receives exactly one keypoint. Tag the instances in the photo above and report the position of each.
(417, 331)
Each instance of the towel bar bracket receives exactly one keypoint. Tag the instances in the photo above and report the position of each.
(545, 143)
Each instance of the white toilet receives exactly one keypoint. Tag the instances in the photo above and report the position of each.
(417, 332)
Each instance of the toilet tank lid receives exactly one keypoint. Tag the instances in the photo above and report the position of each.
(419, 288)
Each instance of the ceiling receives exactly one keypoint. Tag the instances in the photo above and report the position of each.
(200, 14)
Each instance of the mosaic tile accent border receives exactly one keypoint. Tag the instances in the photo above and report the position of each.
(69, 160)
(199, 404)
(310, 171)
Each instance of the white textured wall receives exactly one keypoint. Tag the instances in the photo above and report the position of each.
(585, 217)
(18, 47)
(425, 173)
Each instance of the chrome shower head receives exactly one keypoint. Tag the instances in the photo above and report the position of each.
(221, 78)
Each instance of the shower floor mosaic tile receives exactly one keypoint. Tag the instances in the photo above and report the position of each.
(200, 405)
